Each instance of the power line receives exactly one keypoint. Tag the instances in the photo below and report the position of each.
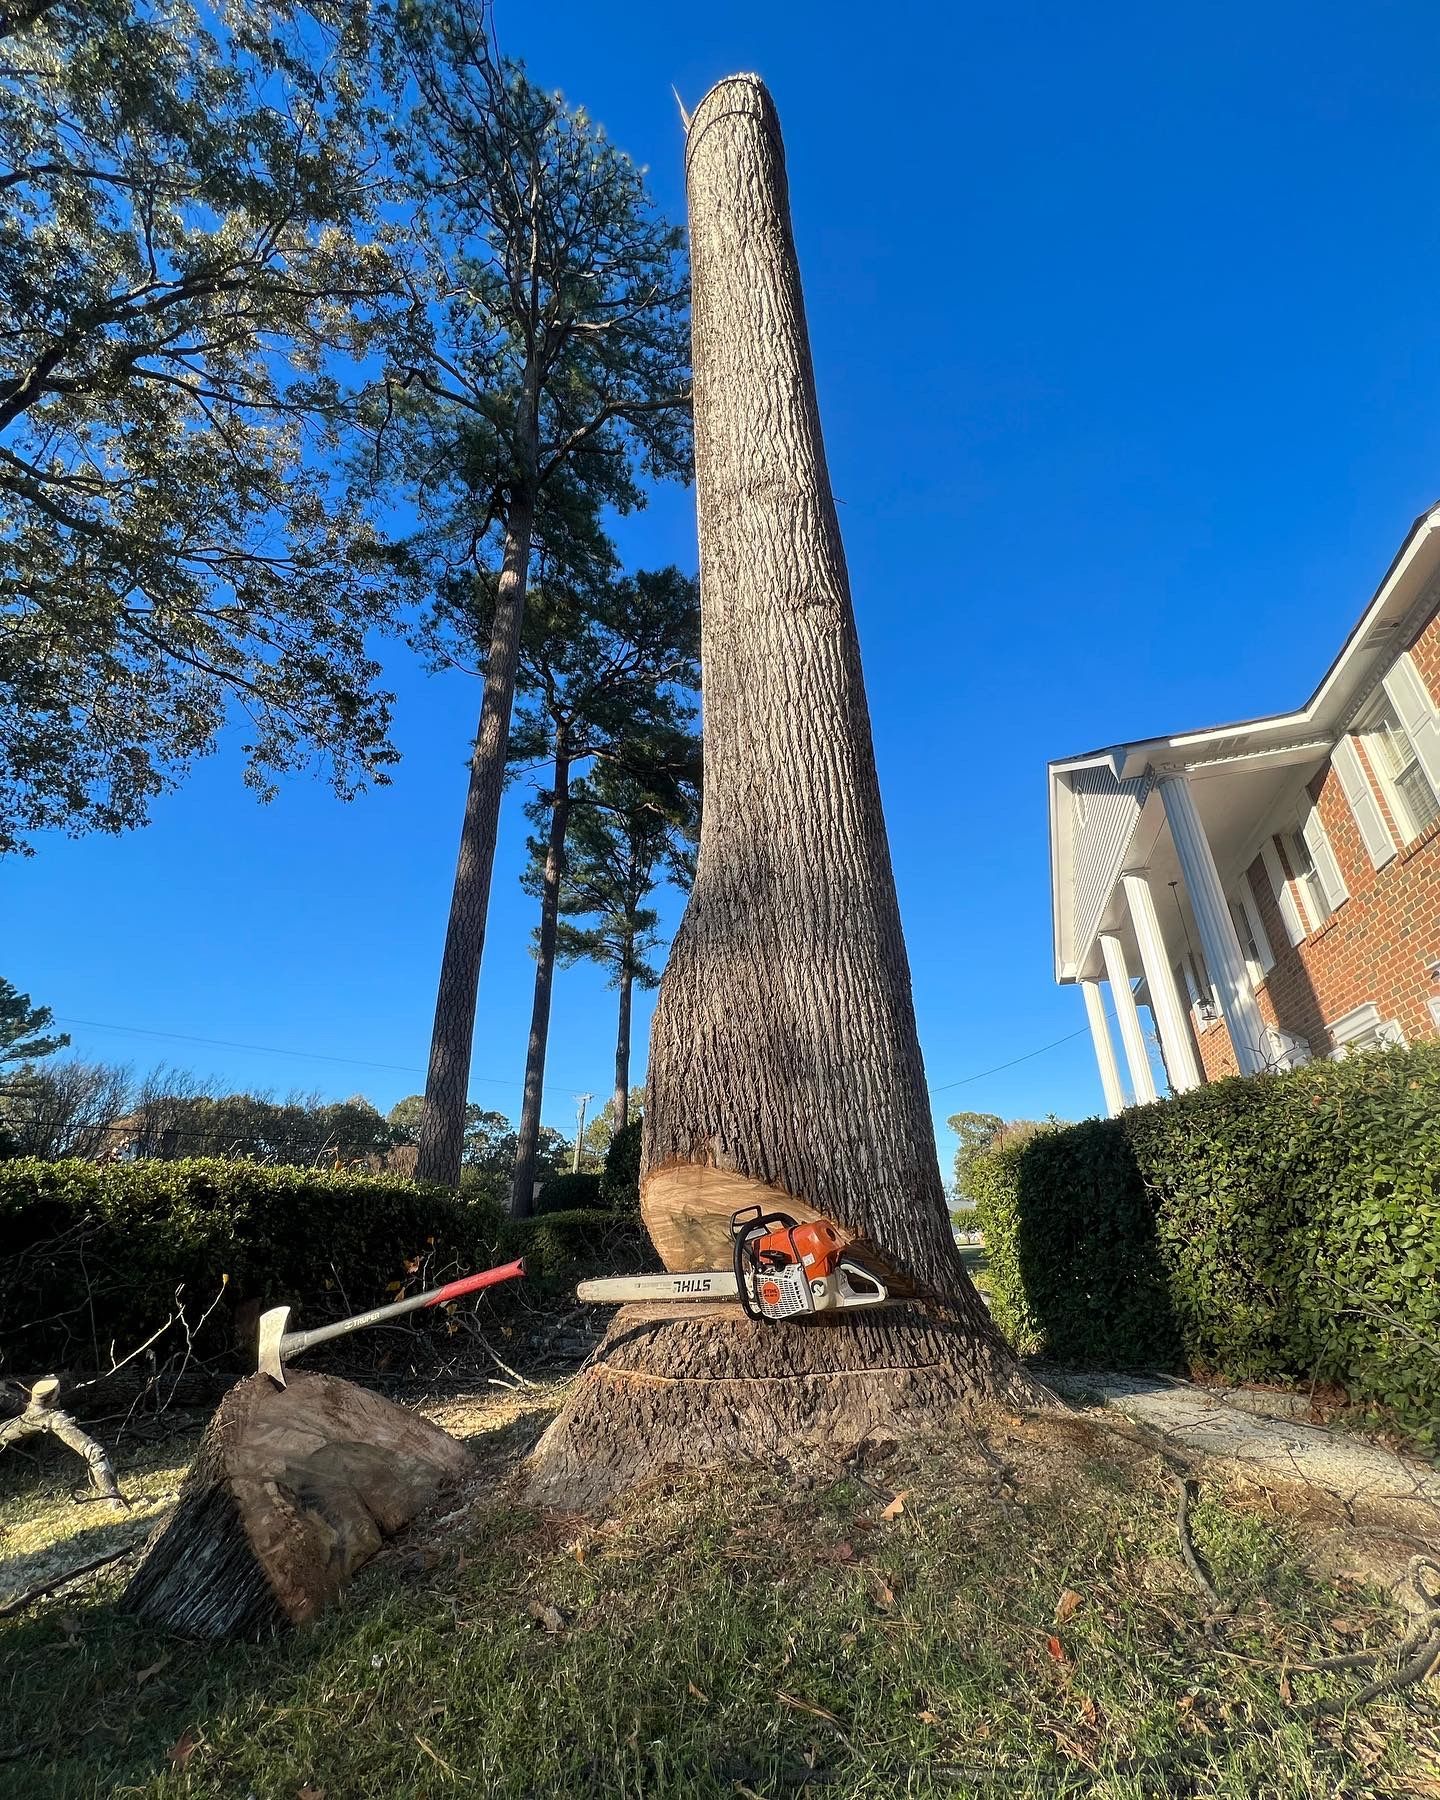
(184, 1037)
(356, 1062)
(966, 1079)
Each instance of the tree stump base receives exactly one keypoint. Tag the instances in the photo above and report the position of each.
(291, 1491)
(710, 1387)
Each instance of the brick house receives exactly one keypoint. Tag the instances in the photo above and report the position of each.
(1269, 890)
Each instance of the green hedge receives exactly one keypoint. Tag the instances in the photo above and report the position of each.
(1278, 1227)
(92, 1256)
(570, 1193)
(620, 1184)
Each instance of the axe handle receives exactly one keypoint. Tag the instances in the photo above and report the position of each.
(295, 1341)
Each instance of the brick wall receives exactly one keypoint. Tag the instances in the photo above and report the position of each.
(1376, 947)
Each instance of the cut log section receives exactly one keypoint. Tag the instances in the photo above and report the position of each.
(292, 1490)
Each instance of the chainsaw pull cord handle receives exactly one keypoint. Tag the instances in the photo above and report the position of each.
(747, 1224)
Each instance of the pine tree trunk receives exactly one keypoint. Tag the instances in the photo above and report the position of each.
(527, 1138)
(785, 1065)
(447, 1083)
(620, 1107)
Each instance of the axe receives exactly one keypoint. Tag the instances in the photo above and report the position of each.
(276, 1343)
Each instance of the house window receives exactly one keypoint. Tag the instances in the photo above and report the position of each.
(1248, 945)
(1363, 1029)
(1307, 880)
(1392, 754)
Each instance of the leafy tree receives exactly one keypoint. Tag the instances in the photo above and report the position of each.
(608, 669)
(304, 1130)
(25, 1035)
(977, 1133)
(628, 833)
(552, 377)
(187, 245)
(601, 1130)
(982, 1133)
(68, 1108)
(489, 1141)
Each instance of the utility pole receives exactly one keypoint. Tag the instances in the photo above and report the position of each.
(584, 1100)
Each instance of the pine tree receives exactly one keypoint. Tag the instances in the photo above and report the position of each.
(607, 669)
(549, 381)
(628, 833)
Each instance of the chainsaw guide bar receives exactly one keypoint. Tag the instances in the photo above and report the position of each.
(781, 1270)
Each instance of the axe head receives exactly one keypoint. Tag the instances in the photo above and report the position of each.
(272, 1332)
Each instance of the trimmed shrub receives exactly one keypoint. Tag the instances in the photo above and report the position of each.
(93, 1255)
(1277, 1227)
(559, 1246)
(620, 1183)
(570, 1193)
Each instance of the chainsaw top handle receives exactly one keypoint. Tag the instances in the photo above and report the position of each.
(749, 1223)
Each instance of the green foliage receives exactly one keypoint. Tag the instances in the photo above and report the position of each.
(92, 1255)
(558, 1246)
(189, 261)
(620, 1183)
(1281, 1227)
(25, 1034)
(489, 1153)
(569, 1193)
(553, 374)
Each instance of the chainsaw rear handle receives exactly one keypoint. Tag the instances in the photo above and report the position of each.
(295, 1341)
(751, 1222)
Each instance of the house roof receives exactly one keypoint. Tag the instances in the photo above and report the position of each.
(1391, 617)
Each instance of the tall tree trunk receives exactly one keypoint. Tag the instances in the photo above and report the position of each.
(785, 1065)
(527, 1137)
(621, 1105)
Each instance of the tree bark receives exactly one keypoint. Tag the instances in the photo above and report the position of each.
(785, 1064)
(621, 1106)
(447, 1082)
(527, 1138)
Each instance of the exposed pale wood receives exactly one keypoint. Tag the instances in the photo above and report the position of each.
(292, 1490)
(687, 1209)
(784, 1060)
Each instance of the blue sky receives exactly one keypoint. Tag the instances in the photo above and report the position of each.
(1127, 332)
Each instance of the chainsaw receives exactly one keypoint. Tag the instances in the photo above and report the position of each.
(780, 1269)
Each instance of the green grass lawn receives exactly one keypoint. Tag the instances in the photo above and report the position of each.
(1020, 1624)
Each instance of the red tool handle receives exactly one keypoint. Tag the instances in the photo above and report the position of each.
(471, 1284)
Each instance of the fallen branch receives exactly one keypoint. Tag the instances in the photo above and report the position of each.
(1187, 1542)
(18, 1602)
(42, 1415)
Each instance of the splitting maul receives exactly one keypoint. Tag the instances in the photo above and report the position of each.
(276, 1343)
(780, 1269)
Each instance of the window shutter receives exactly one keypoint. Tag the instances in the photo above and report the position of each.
(1284, 899)
(1411, 698)
(1332, 882)
(1379, 845)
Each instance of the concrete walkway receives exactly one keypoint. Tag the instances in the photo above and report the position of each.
(1335, 1472)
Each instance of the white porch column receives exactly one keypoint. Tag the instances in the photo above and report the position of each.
(1165, 1001)
(1104, 1049)
(1223, 955)
(1142, 1081)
